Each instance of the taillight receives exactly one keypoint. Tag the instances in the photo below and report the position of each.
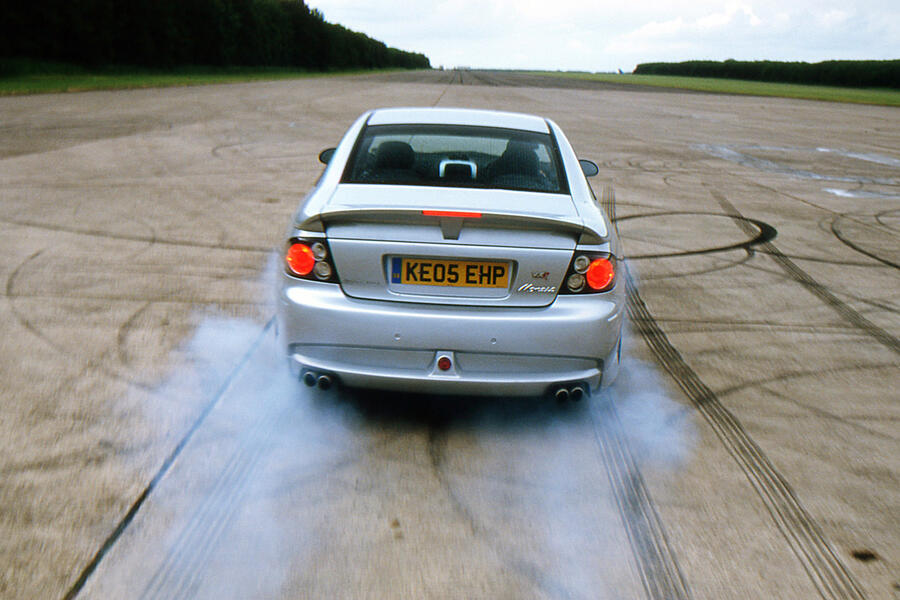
(299, 258)
(590, 272)
(600, 274)
(309, 259)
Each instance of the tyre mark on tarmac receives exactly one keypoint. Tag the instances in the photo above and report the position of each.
(660, 574)
(803, 374)
(125, 330)
(718, 266)
(180, 573)
(10, 294)
(129, 516)
(836, 230)
(835, 215)
(698, 325)
(777, 272)
(830, 261)
(829, 575)
(817, 289)
(98, 363)
(825, 569)
(763, 233)
(526, 569)
(895, 213)
(135, 237)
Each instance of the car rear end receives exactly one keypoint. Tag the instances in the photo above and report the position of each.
(468, 286)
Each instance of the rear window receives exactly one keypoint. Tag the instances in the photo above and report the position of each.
(456, 156)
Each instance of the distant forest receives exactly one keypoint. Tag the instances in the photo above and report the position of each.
(179, 33)
(848, 73)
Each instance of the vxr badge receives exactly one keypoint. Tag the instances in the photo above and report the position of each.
(545, 275)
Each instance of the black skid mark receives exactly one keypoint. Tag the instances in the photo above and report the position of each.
(817, 289)
(762, 234)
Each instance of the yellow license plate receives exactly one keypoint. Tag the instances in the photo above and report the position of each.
(452, 273)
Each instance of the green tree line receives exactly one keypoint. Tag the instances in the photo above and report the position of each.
(174, 33)
(845, 73)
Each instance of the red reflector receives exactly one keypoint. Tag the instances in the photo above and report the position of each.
(300, 259)
(452, 213)
(600, 274)
(444, 363)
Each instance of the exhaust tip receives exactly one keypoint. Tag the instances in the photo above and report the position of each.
(324, 382)
(577, 393)
(309, 378)
(562, 394)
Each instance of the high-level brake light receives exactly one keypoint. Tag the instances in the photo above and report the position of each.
(460, 214)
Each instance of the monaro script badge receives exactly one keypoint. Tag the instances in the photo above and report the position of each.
(530, 288)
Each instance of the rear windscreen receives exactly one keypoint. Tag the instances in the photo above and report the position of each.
(456, 156)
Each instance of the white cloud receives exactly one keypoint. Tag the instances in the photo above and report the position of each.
(834, 18)
(605, 34)
(732, 15)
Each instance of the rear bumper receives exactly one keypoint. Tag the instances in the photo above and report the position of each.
(493, 351)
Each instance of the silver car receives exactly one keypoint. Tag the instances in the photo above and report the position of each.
(453, 251)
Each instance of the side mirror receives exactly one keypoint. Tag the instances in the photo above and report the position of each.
(325, 155)
(589, 167)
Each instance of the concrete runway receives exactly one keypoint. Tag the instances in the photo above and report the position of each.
(154, 447)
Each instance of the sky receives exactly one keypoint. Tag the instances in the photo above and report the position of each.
(605, 35)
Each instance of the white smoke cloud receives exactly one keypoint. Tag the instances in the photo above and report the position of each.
(244, 505)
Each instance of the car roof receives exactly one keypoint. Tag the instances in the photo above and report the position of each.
(457, 116)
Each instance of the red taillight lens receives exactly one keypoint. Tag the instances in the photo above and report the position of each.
(600, 274)
(300, 259)
(309, 258)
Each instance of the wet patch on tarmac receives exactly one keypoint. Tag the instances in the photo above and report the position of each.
(795, 162)
(861, 193)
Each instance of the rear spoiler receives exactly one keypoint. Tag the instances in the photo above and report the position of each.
(318, 222)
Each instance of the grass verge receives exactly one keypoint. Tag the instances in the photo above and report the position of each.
(46, 78)
(879, 96)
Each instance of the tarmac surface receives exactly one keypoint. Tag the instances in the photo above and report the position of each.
(153, 445)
